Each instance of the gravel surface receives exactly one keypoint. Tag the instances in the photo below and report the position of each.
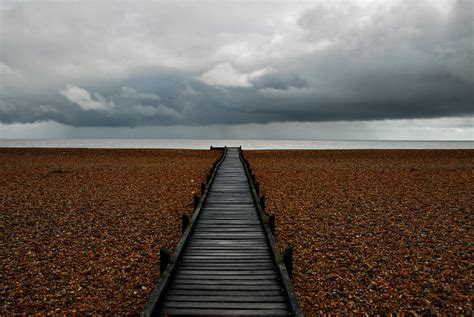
(374, 231)
(81, 229)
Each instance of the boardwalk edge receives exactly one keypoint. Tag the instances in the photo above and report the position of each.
(152, 303)
(282, 272)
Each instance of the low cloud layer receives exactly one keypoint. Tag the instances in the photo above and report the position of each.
(127, 64)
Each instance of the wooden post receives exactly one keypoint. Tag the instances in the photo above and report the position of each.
(257, 188)
(203, 188)
(262, 202)
(271, 224)
(165, 257)
(253, 178)
(184, 222)
(208, 178)
(196, 201)
(288, 260)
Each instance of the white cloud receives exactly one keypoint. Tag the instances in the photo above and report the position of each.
(226, 75)
(83, 98)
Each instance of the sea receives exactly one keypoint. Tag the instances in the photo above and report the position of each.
(246, 144)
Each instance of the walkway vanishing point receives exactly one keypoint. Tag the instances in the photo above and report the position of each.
(227, 262)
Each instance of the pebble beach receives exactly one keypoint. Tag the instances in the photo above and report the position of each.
(373, 231)
(82, 229)
(377, 232)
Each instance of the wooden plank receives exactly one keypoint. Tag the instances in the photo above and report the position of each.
(224, 267)
(225, 222)
(239, 287)
(230, 217)
(249, 262)
(227, 248)
(229, 272)
(214, 215)
(219, 205)
(225, 312)
(226, 278)
(235, 246)
(241, 252)
(227, 262)
(228, 234)
(225, 298)
(225, 243)
(224, 305)
(218, 259)
(219, 283)
(230, 195)
(212, 253)
(253, 293)
(227, 226)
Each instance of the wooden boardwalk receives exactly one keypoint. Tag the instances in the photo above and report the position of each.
(226, 266)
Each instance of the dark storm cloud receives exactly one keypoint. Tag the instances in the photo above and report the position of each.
(104, 64)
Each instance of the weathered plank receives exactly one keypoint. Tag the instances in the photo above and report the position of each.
(240, 287)
(225, 298)
(252, 293)
(225, 312)
(222, 305)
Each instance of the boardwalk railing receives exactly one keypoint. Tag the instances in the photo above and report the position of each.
(269, 228)
(227, 261)
(156, 294)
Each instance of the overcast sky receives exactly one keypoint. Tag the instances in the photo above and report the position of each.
(363, 69)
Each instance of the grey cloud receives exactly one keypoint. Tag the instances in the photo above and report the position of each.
(155, 63)
(132, 93)
(282, 81)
